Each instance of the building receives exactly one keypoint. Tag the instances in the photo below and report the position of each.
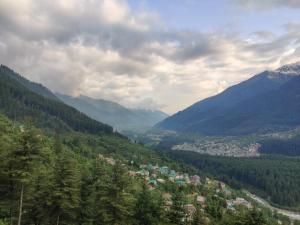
(162, 181)
(190, 210)
(195, 180)
(201, 200)
(164, 170)
(172, 173)
(152, 182)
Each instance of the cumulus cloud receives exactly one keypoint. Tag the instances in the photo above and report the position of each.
(101, 48)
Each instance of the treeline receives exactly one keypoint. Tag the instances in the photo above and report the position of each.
(19, 103)
(275, 178)
(289, 147)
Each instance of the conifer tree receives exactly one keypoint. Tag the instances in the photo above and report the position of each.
(177, 214)
(148, 209)
(24, 159)
(66, 187)
(115, 202)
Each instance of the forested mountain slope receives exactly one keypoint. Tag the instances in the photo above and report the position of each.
(34, 87)
(20, 103)
(234, 111)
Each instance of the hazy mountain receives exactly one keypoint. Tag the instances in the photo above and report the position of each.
(265, 102)
(34, 87)
(115, 114)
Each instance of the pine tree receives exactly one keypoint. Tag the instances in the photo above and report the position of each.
(254, 217)
(115, 203)
(148, 209)
(24, 160)
(198, 217)
(66, 187)
(177, 214)
(87, 198)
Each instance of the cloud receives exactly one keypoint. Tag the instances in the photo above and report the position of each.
(267, 4)
(101, 48)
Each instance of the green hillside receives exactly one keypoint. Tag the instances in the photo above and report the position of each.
(19, 103)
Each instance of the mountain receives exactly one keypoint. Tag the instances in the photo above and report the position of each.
(34, 87)
(19, 102)
(112, 113)
(265, 102)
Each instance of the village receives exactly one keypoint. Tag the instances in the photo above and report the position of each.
(196, 188)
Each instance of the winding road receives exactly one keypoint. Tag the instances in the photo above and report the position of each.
(292, 215)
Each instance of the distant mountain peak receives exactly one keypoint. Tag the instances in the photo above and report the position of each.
(290, 69)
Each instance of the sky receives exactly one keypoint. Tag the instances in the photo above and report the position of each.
(154, 54)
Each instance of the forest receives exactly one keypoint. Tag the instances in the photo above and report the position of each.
(58, 179)
(275, 178)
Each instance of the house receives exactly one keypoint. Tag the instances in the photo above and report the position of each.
(190, 210)
(168, 200)
(110, 161)
(179, 177)
(154, 175)
(195, 180)
(201, 200)
(152, 182)
(230, 206)
(149, 167)
(180, 182)
(238, 202)
(172, 173)
(243, 202)
(164, 170)
(167, 196)
(208, 181)
(227, 192)
(162, 181)
(172, 179)
(143, 173)
(143, 166)
(187, 180)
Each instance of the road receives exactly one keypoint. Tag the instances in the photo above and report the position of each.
(292, 215)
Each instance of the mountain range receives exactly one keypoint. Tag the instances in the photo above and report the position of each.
(112, 113)
(267, 102)
(102, 111)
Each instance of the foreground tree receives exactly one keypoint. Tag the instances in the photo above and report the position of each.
(115, 203)
(177, 214)
(66, 187)
(24, 158)
(149, 208)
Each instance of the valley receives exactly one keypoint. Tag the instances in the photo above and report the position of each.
(151, 112)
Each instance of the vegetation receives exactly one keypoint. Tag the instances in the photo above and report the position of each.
(55, 180)
(290, 147)
(275, 178)
(19, 104)
(58, 166)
